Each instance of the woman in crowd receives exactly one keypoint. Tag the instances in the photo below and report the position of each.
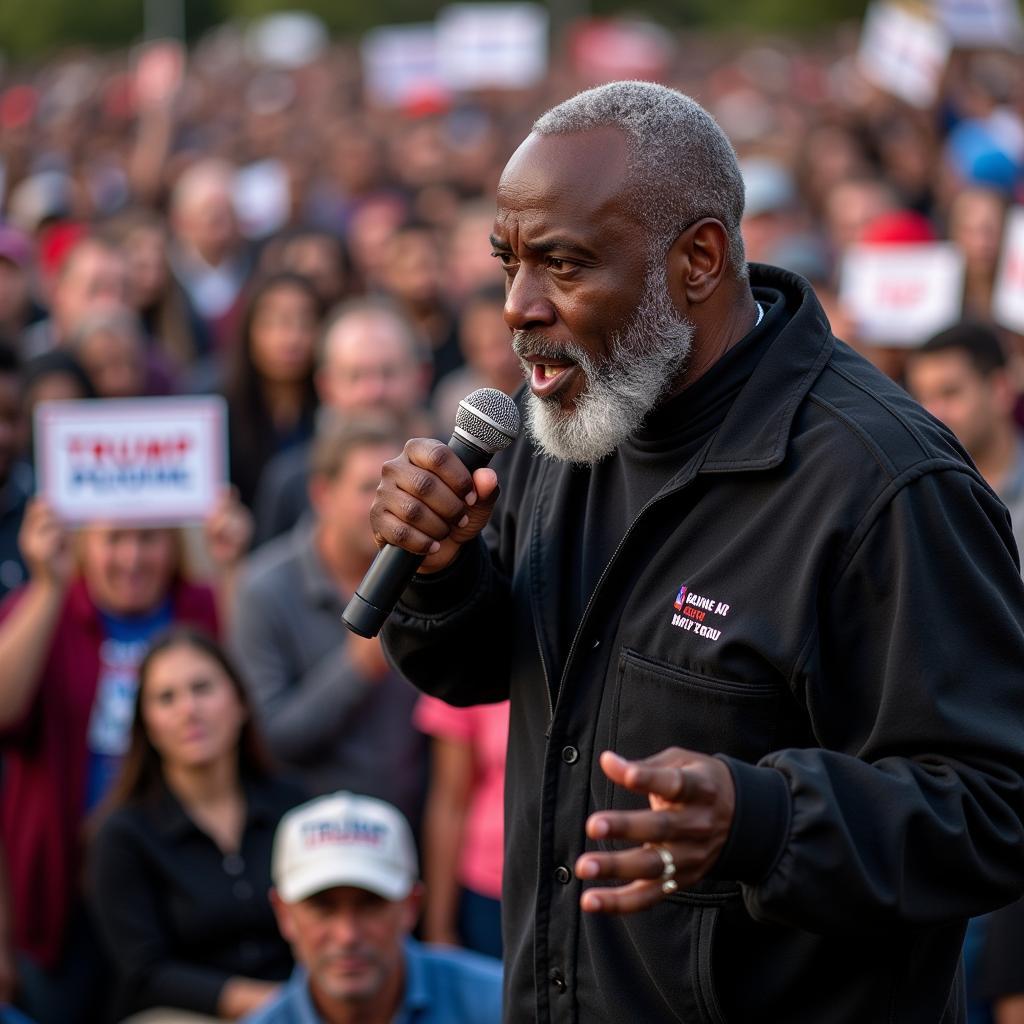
(174, 330)
(180, 869)
(71, 639)
(271, 399)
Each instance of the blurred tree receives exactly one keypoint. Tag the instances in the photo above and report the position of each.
(344, 15)
(29, 27)
(34, 27)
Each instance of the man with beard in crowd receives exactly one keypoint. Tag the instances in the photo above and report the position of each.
(759, 617)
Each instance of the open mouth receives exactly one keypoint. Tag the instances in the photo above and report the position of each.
(548, 379)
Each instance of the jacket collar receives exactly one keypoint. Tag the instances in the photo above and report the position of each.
(171, 820)
(756, 430)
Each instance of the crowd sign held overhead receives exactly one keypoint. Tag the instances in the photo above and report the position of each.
(492, 46)
(902, 294)
(983, 23)
(467, 47)
(904, 50)
(400, 66)
(905, 44)
(158, 461)
(1008, 298)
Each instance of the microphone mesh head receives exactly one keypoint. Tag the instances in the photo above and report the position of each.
(490, 417)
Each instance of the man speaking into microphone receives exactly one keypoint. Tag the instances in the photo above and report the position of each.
(759, 617)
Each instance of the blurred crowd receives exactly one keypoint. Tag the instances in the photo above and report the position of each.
(273, 235)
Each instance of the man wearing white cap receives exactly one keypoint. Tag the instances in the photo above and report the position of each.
(347, 895)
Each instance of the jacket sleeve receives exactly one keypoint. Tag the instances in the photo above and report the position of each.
(910, 807)
(446, 635)
(449, 634)
(127, 909)
(300, 712)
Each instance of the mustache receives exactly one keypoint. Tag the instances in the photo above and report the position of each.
(533, 343)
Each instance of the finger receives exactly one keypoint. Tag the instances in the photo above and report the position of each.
(625, 899)
(656, 826)
(672, 782)
(636, 863)
(419, 515)
(403, 481)
(439, 460)
(485, 481)
(475, 519)
(389, 529)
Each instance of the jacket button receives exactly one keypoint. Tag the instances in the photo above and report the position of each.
(563, 874)
(570, 755)
(233, 864)
(557, 978)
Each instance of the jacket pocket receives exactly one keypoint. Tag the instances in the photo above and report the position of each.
(656, 705)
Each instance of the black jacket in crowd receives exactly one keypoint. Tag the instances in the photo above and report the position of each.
(180, 918)
(859, 664)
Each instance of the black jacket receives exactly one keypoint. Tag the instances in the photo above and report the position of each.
(859, 663)
(178, 916)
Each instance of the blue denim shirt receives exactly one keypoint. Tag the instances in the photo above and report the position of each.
(442, 986)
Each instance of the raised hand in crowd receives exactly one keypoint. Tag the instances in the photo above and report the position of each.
(26, 634)
(227, 532)
(46, 545)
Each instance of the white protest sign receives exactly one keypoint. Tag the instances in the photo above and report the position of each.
(400, 65)
(903, 51)
(492, 46)
(611, 49)
(156, 461)
(1008, 296)
(980, 23)
(901, 294)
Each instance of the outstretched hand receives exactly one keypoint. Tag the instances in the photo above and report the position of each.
(692, 802)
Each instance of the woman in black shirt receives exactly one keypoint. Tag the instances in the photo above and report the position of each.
(181, 863)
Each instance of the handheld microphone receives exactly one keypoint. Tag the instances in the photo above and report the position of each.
(487, 422)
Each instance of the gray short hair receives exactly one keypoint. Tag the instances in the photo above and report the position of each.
(682, 166)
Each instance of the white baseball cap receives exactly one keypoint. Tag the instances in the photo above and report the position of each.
(344, 839)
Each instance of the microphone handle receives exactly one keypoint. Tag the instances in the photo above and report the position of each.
(393, 568)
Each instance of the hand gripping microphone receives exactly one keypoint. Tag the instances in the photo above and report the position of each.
(487, 422)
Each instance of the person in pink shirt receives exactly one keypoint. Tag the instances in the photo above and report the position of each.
(463, 828)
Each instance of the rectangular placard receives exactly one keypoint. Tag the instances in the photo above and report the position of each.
(151, 461)
(1008, 297)
(902, 294)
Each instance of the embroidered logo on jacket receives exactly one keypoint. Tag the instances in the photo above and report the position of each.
(692, 611)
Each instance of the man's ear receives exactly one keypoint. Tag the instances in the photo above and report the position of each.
(283, 914)
(698, 262)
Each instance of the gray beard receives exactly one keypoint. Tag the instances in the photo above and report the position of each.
(647, 357)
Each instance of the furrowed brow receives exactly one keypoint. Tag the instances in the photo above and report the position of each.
(544, 246)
